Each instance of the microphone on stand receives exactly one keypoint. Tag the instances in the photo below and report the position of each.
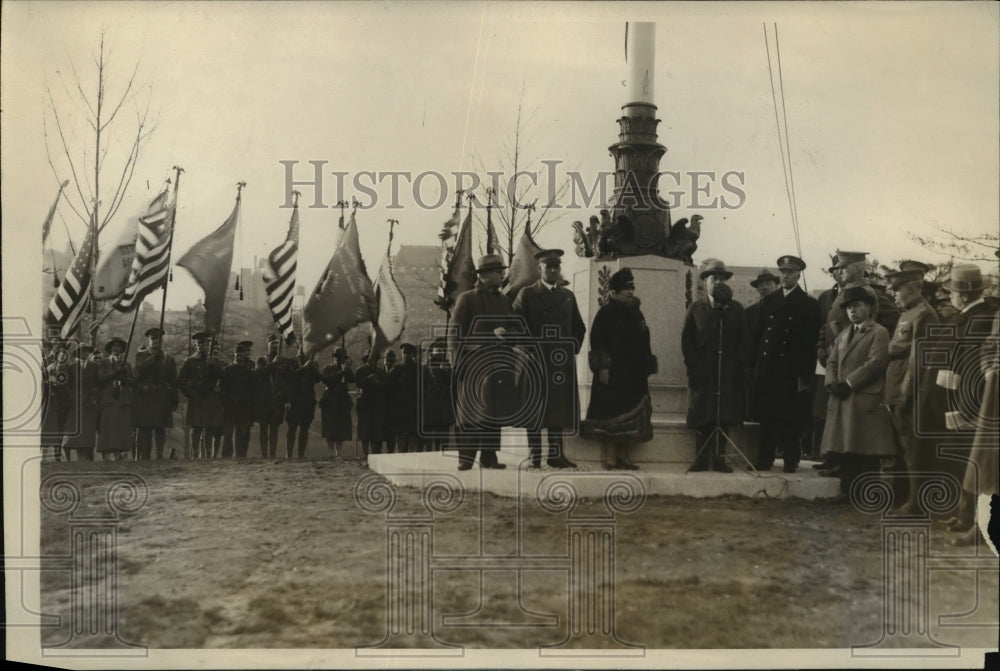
(721, 296)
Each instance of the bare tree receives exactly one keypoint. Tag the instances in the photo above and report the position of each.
(99, 131)
(955, 245)
(512, 198)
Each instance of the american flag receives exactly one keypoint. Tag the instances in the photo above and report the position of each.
(279, 278)
(152, 254)
(73, 295)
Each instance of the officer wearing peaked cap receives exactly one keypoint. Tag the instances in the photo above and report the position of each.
(549, 308)
(156, 394)
(785, 365)
(199, 381)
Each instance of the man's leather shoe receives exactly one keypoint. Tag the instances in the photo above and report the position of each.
(830, 473)
(560, 462)
(497, 465)
(464, 467)
(763, 467)
(789, 469)
(721, 466)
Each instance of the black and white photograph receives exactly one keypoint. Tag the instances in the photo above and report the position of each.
(500, 334)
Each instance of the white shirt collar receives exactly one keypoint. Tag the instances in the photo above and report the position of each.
(548, 286)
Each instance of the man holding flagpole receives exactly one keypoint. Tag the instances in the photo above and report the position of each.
(156, 395)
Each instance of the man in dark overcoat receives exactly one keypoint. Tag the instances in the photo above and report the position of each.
(484, 390)
(199, 382)
(765, 283)
(553, 319)
(156, 395)
(237, 402)
(784, 366)
(714, 342)
(435, 402)
(271, 394)
(389, 390)
(402, 381)
(370, 380)
(301, 403)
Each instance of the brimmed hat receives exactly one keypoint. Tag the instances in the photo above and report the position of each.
(389, 354)
(243, 347)
(858, 293)
(789, 262)
(154, 332)
(965, 277)
(765, 275)
(201, 336)
(900, 277)
(490, 262)
(713, 267)
(622, 279)
(847, 258)
(550, 257)
(408, 347)
(910, 264)
(112, 341)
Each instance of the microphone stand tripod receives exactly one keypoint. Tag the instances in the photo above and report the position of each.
(718, 430)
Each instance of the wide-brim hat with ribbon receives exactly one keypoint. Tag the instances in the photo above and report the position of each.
(490, 262)
(113, 341)
(765, 275)
(965, 277)
(713, 267)
(858, 293)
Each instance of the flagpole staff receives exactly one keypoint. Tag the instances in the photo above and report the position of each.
(341, 204)
(93, 276)
(170, 244)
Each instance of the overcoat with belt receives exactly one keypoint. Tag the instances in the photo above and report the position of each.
(860, 423)
(785, 353)
(156, 394)
(554, 321)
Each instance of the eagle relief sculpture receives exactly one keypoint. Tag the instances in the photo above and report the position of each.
(604, 238)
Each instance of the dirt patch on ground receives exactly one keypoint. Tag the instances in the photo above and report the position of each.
(278, 554)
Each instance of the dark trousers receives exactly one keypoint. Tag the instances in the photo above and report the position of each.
(144, 436)
(555, 440)
(236, 438)
(485, 440)
(779, 433)
(406, 441)
(390, 442)
(709, 447)
(268, 439)
(303, 430)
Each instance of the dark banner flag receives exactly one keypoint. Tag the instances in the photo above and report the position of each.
(210, 262)
(344, 296)
(458, 270)
(523, 267)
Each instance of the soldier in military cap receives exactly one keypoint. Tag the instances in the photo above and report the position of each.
(907, 382)
(156, 395)
(199, 381)
(390, 390)
(271, 395)
(435, 402)
(553, 318)
(784, 366)
(237, 402)
(301, 403)
(403, 398)
(370, 379)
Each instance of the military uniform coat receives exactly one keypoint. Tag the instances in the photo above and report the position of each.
(545, 309)
(700, 347)
(619, 341)
(403, 402)
(436, 401)
(85, 408)
(156, 394)
(199, 382)
(785, 353)
(982, 472)
(302, 394)
(237, 388)
(114, 379)
(371, 403)
(860, 423)
(335, 404)
(484, 378)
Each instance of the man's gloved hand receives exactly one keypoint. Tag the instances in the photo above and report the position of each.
(840, 390)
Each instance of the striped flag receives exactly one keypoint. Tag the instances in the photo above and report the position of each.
(73, 295)
(279, 278)
(458, 271)
(391, 320)
(152, 254)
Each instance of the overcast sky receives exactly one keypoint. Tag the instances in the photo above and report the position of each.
(892, 114)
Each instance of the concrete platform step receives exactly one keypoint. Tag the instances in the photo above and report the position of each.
(656, 479)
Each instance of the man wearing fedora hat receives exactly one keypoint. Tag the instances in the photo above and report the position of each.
(765, 283)
(199, 380)
(907, 382)
(552, 316)
(114, 378)
(478, 317)
(784, 366)
(714, 342)
(156, 395)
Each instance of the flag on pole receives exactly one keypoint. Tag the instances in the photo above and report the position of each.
(523, 267)
(73, 295)
(492, 243)
(458, 271)
(150, 253)
(343, 298)
(47, 224)
(391, 319)
(279, 278)
(210, 262)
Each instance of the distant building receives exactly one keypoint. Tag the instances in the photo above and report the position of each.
(418, 275)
